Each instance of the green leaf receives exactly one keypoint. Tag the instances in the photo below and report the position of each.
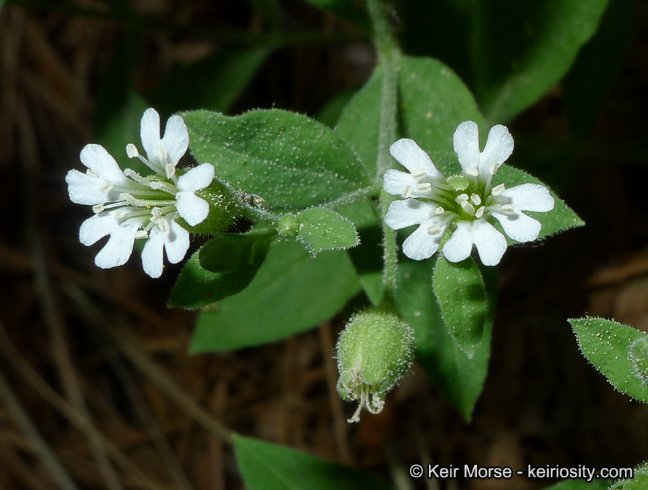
(561, 218)
(639, 358)
(198, 287)
(367, 257)
(350, 10)
(322, 229)
(459, 378)
(267, 466)
(227, 252)
(331, 112)
(434, 101)
(459, 289)
(597, 66)
(214, 83)
(638, 482)
(290, 160)
(521, 49)
(358, 124)
(606, 344)
(595, 484)
(291, 293)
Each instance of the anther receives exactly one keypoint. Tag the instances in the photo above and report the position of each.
(468, 208)
(418, 173)
(494, 167)
(163, 225)
(498, 189)
(90, 173)
(131, 151)
(407, 192)
(480, 212)
(461, 198)
(98, 208)
(473, 172)
(141, 234)
(120, 214)
(476, 200)
(424, 187)
(170, 170)
(106, 186)
(507, 208)
(162, 154)
(439, 211)
(433, 230)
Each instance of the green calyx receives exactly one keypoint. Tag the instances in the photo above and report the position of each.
(374, 352)
(224, 207)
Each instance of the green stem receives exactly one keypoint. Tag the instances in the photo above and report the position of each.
(388, 59)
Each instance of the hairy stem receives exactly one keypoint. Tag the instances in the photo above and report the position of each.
(389, 60)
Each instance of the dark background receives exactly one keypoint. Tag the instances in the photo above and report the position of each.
(99, 364)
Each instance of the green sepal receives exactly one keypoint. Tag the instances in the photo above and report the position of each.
(224, 207)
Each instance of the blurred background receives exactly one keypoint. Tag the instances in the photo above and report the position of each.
(96, 385)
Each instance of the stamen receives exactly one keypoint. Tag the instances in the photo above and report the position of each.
(140, 234)
(475, 199)
(433, 230)
(498, 189)
(439, 211)
(407, 192)
(98, 208)
(162, 186)
(418, 173)
(376, 404)
(468, 208)
(131, 150)
(106, 186)
(170, 170)
(461, 198)
(163, 224)
(473, 172)
(424, 187)
(162, 154)
(480, 212)
(120, 214)
(507, 208)
(494, 167)
(90, 173)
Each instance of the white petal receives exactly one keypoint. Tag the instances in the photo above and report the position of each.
(177, 242)
(490, 243)
(176, 139)
(413, 158)
(84, 189)
(530, 197)
(152, 258)
(97, 227)
(421, 245)
(119, 247)
(150, 133)
(408, 212)
(466, 145)
(192, 208)
(197, 178)
(519, 226)
(395, 182)
(459, 246)
(97, 159)
(499, 147)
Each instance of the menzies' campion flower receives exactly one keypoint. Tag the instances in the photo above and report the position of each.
(129, 206)
(469, 205)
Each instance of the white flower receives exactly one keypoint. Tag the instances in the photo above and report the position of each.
(435, 205)
(129, 206)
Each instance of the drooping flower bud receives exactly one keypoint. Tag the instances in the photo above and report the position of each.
(374, 352)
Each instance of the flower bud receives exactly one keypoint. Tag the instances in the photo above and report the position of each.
(374, 352)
